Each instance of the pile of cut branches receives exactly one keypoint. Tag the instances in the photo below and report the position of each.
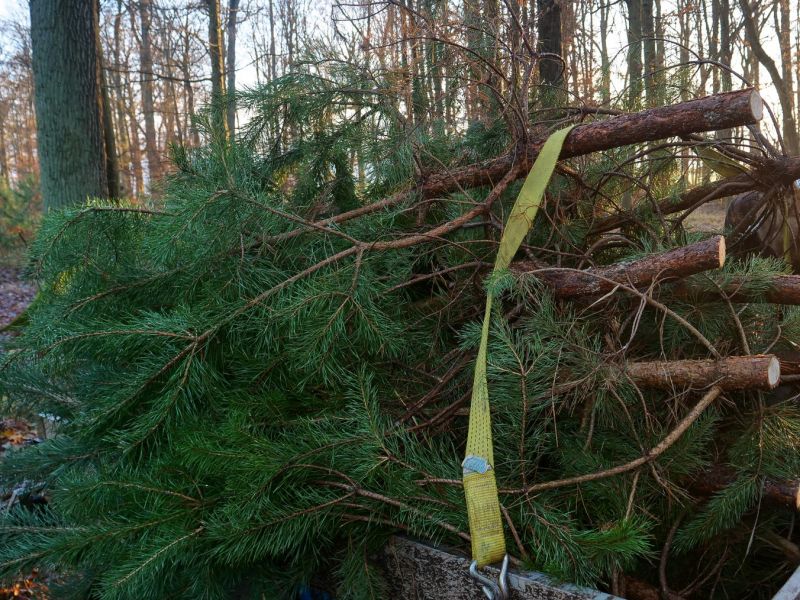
(267, 374)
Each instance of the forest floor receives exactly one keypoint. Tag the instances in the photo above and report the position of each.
(709, 217)
(15, 295)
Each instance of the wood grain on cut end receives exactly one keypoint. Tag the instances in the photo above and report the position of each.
(756, 105)
(722, 251)
(774, 372)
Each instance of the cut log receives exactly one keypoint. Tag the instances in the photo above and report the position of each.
(720, 111)
(711, 113)
(782, 289)
(790, 362)
(779, 493)
(673, 264)
(761, 372)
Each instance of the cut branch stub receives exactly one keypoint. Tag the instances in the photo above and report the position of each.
(761, 372)
(677, 263)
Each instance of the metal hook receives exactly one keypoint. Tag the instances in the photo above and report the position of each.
(493, 590)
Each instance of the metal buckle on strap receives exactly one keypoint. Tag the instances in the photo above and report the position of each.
(493, 590)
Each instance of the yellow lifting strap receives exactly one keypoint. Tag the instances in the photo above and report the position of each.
(480, 486)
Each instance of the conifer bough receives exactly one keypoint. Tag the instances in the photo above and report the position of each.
(250, 396)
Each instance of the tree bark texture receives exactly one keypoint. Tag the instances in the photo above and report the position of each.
(753, 36)
(782, 289)
(731, 373)
(780, 493)
(722, 111)
(634, 51)
(69, 115)
(148, 108)
(218, 118)
(233, 13)
(551, 69)
(677, 263)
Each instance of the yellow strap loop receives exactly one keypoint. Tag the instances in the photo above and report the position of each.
(480, 485)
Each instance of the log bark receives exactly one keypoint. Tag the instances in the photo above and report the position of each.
(676, 263)
(711, 113)
(782, 289)
(779, 493)
(731, 373)
(781, 171)
(790, 362)
(720, 111)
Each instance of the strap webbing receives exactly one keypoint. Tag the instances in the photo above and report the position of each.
(480, 486)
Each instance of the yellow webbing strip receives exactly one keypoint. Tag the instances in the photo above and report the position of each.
(480, 485)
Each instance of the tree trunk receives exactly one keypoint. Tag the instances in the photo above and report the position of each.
(790, 135)
(273, 59)
(233, 11)
(725, 43)
(117, 99)
(109, 139)
(780, 289)
(186, 63)
(3, 154)
(716, 479)
(634, 52)
(778, 171)
(129, 101)
(551, 69)
(785, 41)
(605, 62)
(218, 122)
(147, 78)
(704, 114)
(649, 49)
(68, 102)
(472, 22)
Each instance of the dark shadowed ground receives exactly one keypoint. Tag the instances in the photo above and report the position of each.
(15, 294)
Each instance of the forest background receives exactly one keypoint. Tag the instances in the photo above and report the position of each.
(158, 70)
